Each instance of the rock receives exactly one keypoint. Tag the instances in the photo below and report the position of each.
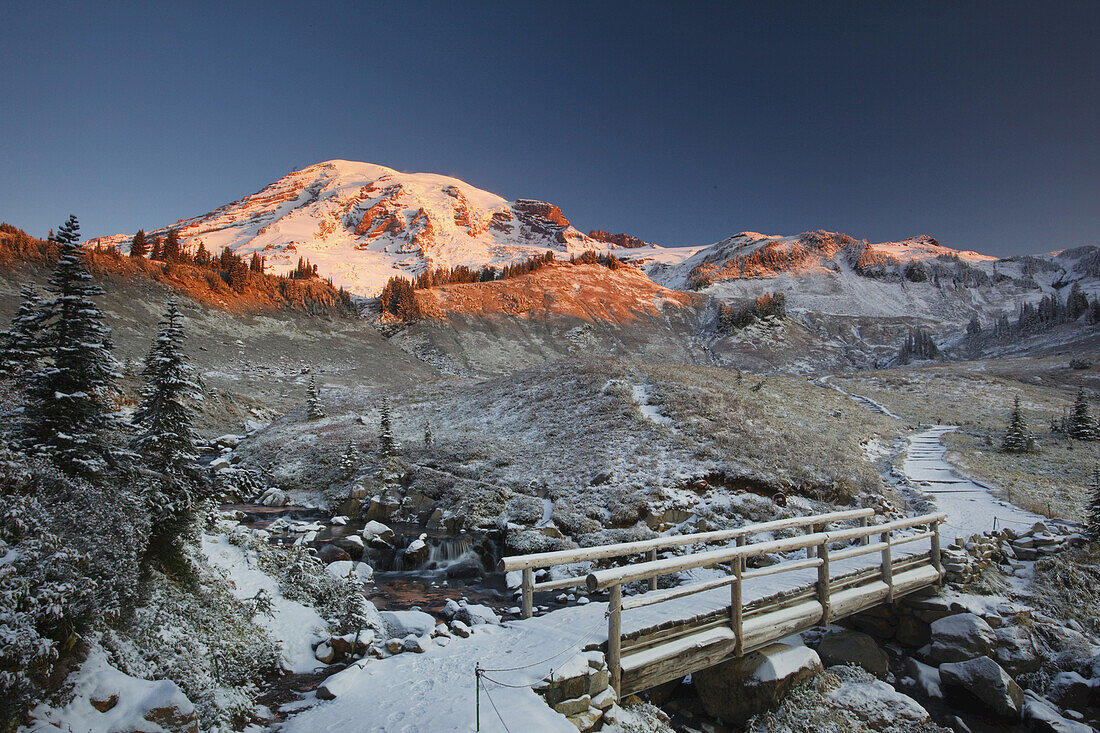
(853, 647)
(466, 567)
(227, 441)
(349, 646)
(219, 463)
(586, 721)
(351, 544)
(1041, 716)
(460, 629)
(416, 554)
(403, 623)
(981, 685)
(574, 706)
(414, 643)
(104, 703)
(961, 637)
(174, 719)
(324, 653)
(330, 553)
(395, 645)
(470, 614)
(341, 682)
(737, 689)
(359, 571)
(1016, 651)
(1070, 690)
(275, 497)
(879, 705)
(377, 534)
(605, 700)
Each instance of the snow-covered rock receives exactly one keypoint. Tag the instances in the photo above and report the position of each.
(402, 623)
(350, 568)
(376, 532)
(737, 689)
(960, 637)
(470, 614)
(853, 647)
(879, 705)
(982, 685)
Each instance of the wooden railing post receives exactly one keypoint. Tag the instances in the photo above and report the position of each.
(615, 636)
(737, 610)
(813, 529)
(823, 583)
(528, 592)
(887, 568)
(866, 539)
(651, 556)
(937, 562)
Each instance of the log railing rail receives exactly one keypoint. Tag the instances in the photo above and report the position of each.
(528, 564)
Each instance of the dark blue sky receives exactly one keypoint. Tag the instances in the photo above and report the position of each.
(681, 123)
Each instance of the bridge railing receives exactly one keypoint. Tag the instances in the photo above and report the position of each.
(613, 579)
(530, 563)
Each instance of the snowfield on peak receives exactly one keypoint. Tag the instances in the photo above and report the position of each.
(362, 223)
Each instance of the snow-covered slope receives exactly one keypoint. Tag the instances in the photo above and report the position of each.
(362, 223)
(830, 273)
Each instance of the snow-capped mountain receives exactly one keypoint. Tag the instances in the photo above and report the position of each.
(362, 223)
(832, 273)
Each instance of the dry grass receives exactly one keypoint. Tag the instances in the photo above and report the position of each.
(978, 397)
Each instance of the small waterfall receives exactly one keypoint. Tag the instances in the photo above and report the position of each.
(443, 551)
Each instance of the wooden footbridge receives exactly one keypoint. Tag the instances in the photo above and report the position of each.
(732, 610)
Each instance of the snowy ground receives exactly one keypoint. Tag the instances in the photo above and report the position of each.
(292, 623)
(970, 506)
(436, 690)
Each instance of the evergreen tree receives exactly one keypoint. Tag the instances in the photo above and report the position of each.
(1018, 439)
(387, 444)
(202, 256)
(69, 413)
(428, 437)
(165, 439)
(314, 411)
(172, 251)
(349, 461)
(67, 233)
(256, 263)
(974, 328)
(1081, 424)
(138, 246)
(1092, 532)
(20, 344)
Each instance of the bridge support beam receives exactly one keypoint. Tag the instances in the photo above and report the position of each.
(652, 556)
(937, 562)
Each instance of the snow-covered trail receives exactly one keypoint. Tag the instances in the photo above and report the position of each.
(970, 506)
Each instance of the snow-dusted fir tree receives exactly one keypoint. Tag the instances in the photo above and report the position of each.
(1092, 532)
(314, 411)
(1018, 439)
(349, 461)
(428, 437)
(387, 444)
(21, 344)
(164, 436)
(1081, 424)
(69, 413)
